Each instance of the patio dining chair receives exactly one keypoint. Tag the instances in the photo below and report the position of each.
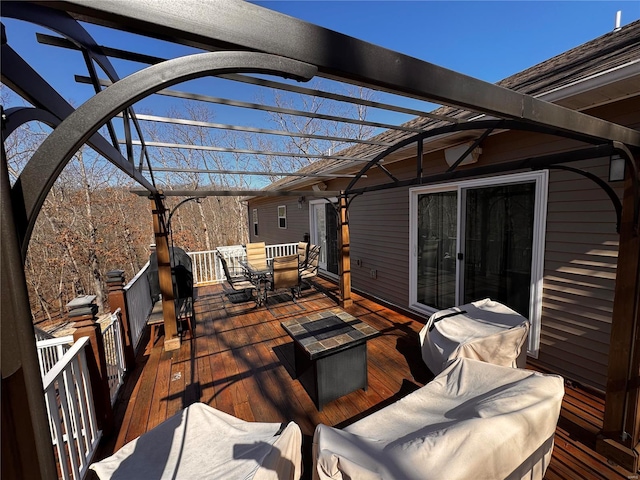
(239, 283)
(303, 252)
(285, 276)
(310, 268)
(257, 254)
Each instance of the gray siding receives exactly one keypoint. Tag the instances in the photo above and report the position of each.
(268, 229)
(379, 234)
(579, 275)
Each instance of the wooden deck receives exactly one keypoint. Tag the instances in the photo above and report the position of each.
(240, 362)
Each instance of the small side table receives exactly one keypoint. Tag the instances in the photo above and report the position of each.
(330, 353)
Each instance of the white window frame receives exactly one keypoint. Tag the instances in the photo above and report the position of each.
(255, 221)
(282, 216)
(541, 179)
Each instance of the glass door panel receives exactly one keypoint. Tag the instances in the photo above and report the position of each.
(498, 236)
(319, 232)
(332, 253)
(437, 234)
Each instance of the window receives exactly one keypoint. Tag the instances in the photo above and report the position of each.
(255, 222)
(282, 216)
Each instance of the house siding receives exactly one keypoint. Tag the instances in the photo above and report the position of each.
(379, 235)
(268, 228)
(581, 252)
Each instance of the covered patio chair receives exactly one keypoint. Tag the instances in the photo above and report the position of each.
(484, 330)
(202, 442)
(239, 283)
(473, 421)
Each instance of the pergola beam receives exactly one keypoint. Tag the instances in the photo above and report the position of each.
(264, 131)
(240, 193)
(248, 172)
(152, 60)
(265, 108)
(245, 151)
(223, 25)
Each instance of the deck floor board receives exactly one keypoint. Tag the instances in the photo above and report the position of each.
(240, 361)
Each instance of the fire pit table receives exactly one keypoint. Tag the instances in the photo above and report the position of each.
(330, 353)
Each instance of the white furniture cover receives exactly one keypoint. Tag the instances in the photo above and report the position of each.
(484, 330)
(474, 421)
(204, 443)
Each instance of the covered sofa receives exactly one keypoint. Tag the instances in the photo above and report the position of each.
(202, 442)
(484, 330)
(474, 421)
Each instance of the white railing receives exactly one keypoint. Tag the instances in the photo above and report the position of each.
(114, 354)
(207, 269)
(42, 335)
(50, 351)
(281, 249)
(138, 303)
(72, 419)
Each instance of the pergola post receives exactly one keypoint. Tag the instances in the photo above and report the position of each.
(345, 255)
(26, 441)
(620, 436)
(171, 337)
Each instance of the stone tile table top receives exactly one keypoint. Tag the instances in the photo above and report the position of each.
(326, 332)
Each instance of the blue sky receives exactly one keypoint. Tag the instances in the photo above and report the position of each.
(487, 40)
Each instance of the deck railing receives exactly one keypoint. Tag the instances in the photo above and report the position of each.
(114, 354)
(207, 268)
(139, 303)
(69, 401)
(50, 351)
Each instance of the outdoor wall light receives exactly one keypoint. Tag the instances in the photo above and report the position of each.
(300, 201)
(452, 154)
(616, 168)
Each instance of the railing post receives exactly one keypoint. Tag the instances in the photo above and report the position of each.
(83, 311)
(118, 299)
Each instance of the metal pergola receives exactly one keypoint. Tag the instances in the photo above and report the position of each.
(225, 40)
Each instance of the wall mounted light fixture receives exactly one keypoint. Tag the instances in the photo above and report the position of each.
(451, 155)
(616, 168)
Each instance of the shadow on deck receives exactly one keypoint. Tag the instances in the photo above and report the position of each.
(241, 362)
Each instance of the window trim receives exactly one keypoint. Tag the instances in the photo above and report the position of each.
(282, 217)
(541, 179)
(254, 214)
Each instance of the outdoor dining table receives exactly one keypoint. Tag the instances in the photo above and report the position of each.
(258, 274)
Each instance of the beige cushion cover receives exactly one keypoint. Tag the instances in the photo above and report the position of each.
(202, 442)
(473, 421)
(488, 331)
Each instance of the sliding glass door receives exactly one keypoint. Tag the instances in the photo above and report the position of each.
(437, 233)
(477, 239)
(498, 240)
(323, 226)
